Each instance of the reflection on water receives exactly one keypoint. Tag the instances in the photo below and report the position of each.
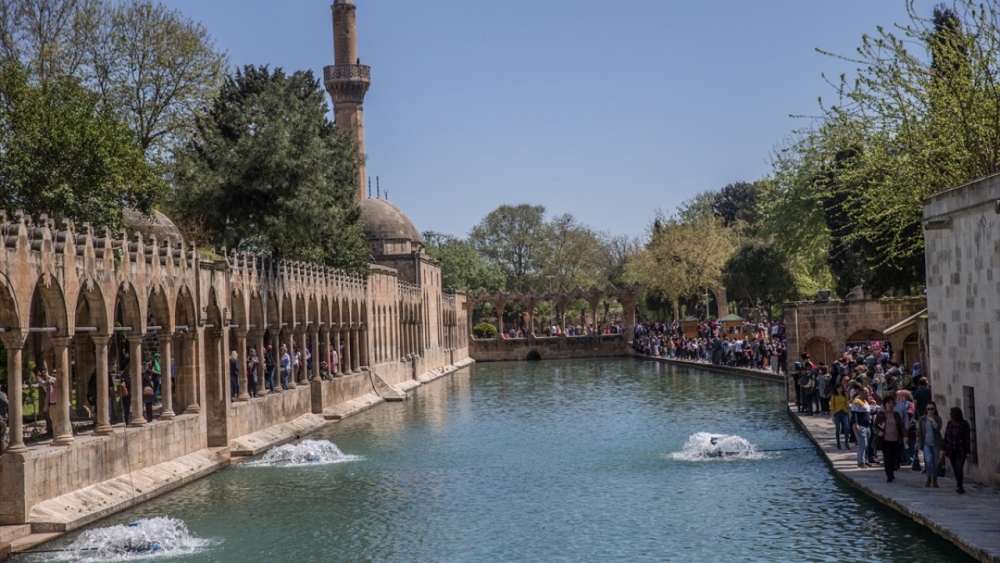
(552, 461)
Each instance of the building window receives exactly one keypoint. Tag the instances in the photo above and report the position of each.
(969, 396)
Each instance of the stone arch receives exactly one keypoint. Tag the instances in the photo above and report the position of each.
(158, 310)
(256, 320)
(186, 388)
(238, 310)
(821, 351)
(533, 355)
(48, 307)
(272, 317)
(864, 334)
(10, 317)
(91, 318)
(128, 309)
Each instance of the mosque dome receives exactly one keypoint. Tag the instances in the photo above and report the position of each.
(155, 223)
(387, 229)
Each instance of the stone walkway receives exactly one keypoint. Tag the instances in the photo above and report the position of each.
(970, 521)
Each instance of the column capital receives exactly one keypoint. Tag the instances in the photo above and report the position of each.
(100, 339)
(61, 341)
(239, 333)
(164, 336)
(14, 339)
(135, 338)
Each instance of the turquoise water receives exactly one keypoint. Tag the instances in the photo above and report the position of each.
(545, 461)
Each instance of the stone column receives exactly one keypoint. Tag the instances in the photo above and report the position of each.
(335, 337)
(355, 350)
(103, 427)
(190, 343)
(241, 361)
(83, 369)
(14, 342)
(166, 341)
(364, 352)
(316, 356)
(347, 361)
(135, 370)
(63, 432)
(303, 377)
(258, 338)
(325, 336)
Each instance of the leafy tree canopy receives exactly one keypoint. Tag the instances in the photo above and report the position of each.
(461, 267)
(152, 65)
(268, 172)
(65, 154)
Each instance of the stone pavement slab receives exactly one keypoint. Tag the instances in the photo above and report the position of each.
(970, 521)
(83, 506)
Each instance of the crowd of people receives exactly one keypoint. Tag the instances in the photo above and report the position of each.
(755, 345)
(570, 330)
(875, 403)
(261, 371)
(878, 406)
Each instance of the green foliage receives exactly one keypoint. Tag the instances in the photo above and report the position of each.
(268, 172)
(150, 64)
(514, 238)
(461, 267)
(922, 115)
(64, 153)
(484, 330)
(757, 275)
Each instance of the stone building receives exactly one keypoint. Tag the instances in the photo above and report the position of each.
(77, 300)
(825, 326)
(962, 238)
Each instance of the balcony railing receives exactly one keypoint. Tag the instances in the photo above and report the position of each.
(347, 72)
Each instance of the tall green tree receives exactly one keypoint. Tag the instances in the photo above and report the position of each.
(461, 266)
(152, 65)
(516, 239)
(268, 172)
(757, 275)
(65, 154)
(922, 115)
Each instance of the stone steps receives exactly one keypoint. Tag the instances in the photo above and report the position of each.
(10, 534)
(31, 541)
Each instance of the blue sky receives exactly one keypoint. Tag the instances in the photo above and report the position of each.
(606, 110)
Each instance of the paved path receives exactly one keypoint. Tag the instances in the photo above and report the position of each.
(970, 521)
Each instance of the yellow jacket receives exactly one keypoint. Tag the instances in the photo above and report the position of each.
(838, 403)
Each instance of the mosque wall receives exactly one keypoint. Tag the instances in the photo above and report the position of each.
(82, 302)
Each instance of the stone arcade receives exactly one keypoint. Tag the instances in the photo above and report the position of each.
(69, 293)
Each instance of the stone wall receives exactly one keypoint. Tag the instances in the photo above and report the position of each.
(45, 473)
(962, 237)
(823, 328)
(276, 408)
(547, 348)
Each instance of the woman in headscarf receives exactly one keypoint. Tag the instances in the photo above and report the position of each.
(234, 375)
(957, 445)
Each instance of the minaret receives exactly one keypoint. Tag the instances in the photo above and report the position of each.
(347, 81)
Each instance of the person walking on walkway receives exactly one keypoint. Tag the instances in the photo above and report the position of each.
(234, 376)
(889, 427)
(124, 393)
(147, 393)
(286, 366)
(957, 445)
(252, 364)
(862, 418)
(807, 387)
(929, 441)
(269, 366)
(841, 415)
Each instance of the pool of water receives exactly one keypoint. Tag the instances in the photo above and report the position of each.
(596, 460)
